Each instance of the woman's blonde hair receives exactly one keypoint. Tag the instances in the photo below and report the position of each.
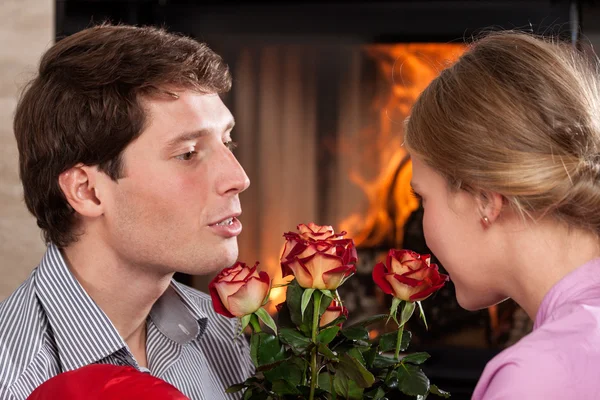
(518, 115)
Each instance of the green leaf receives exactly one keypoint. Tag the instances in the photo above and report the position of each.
(356, 371)
(370, 320)
(327, 334)
(293, 301)
(294, 339)
(439, 392)
(355, 352)
(391, 380)
(235, 388)
(265, 349)
(369, 356)
(376, 394)
(328, 294)
(387, 341)
(244, 321)
(394, 308)
(356, 333)
(306, 297)
(264, 316)
(283, 387)
(412, 381)
(326, 351)
(290, 370)
(254, 343)
(324, 381)
(384, 361)
(416, 358)
(422, 314)
(346, 387)
(407, 312)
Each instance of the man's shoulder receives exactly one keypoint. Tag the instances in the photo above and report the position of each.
(20, 307)
(22, 328)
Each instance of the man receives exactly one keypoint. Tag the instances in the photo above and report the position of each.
(126, 163)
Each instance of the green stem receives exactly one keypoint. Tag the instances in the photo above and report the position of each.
(400, 332)
(315, 329)
(255, 324)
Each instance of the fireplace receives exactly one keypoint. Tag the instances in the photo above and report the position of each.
(320, 93)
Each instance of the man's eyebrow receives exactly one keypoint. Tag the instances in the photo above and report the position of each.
(189, 136)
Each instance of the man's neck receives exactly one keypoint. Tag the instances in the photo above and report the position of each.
(126, 293)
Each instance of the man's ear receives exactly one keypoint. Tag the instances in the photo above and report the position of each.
(79, 187)
(490, 205)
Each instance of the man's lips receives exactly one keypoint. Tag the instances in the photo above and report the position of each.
(228, 227)
(226, 220)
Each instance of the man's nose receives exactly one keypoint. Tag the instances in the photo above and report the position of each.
(233, 179)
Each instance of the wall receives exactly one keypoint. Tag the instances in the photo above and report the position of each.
(26, 31)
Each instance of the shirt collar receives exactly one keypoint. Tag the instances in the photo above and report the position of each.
(579, 284)
(177, 317)
(83, 332)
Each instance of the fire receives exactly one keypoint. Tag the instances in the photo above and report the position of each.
(408, 68)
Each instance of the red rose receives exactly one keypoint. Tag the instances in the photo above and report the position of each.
(408, 275)
(335, 310)
(318, 257)
(239, 290)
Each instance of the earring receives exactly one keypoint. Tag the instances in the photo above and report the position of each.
(486, 220)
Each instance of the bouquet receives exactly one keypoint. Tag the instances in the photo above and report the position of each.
(310, 352)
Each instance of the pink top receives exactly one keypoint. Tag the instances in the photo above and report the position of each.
(560, 359)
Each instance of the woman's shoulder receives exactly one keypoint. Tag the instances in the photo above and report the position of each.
(548, 363)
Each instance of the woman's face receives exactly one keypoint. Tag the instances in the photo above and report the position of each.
(452, 224)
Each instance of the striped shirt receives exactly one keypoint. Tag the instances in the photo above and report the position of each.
(51, 325)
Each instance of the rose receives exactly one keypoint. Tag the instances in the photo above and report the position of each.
(316, 232)
(408, 275)
(333, 311)
(239, 290)
(318, 257)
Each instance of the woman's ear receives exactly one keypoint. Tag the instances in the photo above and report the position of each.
(78, 184)
(490, 206)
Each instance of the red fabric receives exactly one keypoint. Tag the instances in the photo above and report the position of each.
(105, 382)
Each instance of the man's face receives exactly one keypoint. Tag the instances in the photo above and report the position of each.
(175, 209)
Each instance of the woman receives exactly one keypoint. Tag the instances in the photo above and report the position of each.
(506, 157)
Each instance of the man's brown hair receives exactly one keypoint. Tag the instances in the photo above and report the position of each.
(84, 107)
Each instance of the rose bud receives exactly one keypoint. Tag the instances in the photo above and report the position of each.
(408, 275)
(239, 290)
(334, 311)
(318, 257)
(316, 232)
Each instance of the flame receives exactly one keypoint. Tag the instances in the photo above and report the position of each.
(408, 69)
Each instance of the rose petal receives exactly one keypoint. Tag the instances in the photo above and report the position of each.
(334, 278)
(226, 289)
(303, 276)
(318, 264)
(379, 272)
(400, 290)
(249, 298)
(217, 303)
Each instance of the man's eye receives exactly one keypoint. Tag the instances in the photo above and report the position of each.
(186, 156)
(231, 145)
